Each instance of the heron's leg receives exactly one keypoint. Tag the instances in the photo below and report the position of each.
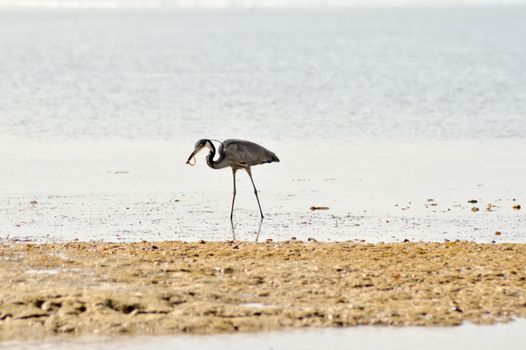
(255, 191)
(234, 195)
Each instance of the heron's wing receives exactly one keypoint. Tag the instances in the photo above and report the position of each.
(240, 154)
(246, 153)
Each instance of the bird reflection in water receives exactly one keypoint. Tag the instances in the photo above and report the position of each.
(257, 232)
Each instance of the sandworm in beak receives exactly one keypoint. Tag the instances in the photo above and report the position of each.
(191, 160)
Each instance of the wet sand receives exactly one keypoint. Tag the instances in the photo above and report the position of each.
(215, 287)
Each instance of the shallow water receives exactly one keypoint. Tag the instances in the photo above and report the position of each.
(375, 192)
(373, 112)
(510, 336)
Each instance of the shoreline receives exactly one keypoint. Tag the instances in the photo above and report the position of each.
(216, 287)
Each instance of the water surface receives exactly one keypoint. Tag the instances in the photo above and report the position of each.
(392, 117)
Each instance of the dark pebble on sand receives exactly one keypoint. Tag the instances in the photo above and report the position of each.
(318, 208)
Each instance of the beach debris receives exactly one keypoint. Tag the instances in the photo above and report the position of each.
(33, 202)
(310, 239)
(498, 233)
(224, 270)
(516, 207)
(318, 208)
(490, 207)
(406, 240)
(472, 201)
(475, 209)
(202, 241)
(456, 309)
(431, 203)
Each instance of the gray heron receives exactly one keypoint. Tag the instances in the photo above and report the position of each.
(236, 154)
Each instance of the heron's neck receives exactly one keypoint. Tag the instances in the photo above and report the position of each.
(210, 157)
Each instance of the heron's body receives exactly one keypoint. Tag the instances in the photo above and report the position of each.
(239, 154)
(236, 154)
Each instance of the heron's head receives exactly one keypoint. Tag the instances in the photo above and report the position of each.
(199, 146)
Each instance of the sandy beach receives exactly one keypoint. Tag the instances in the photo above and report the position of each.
(215, 287)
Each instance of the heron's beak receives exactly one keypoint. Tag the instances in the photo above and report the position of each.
(191, 156)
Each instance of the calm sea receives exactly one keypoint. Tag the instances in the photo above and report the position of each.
(263, 74)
